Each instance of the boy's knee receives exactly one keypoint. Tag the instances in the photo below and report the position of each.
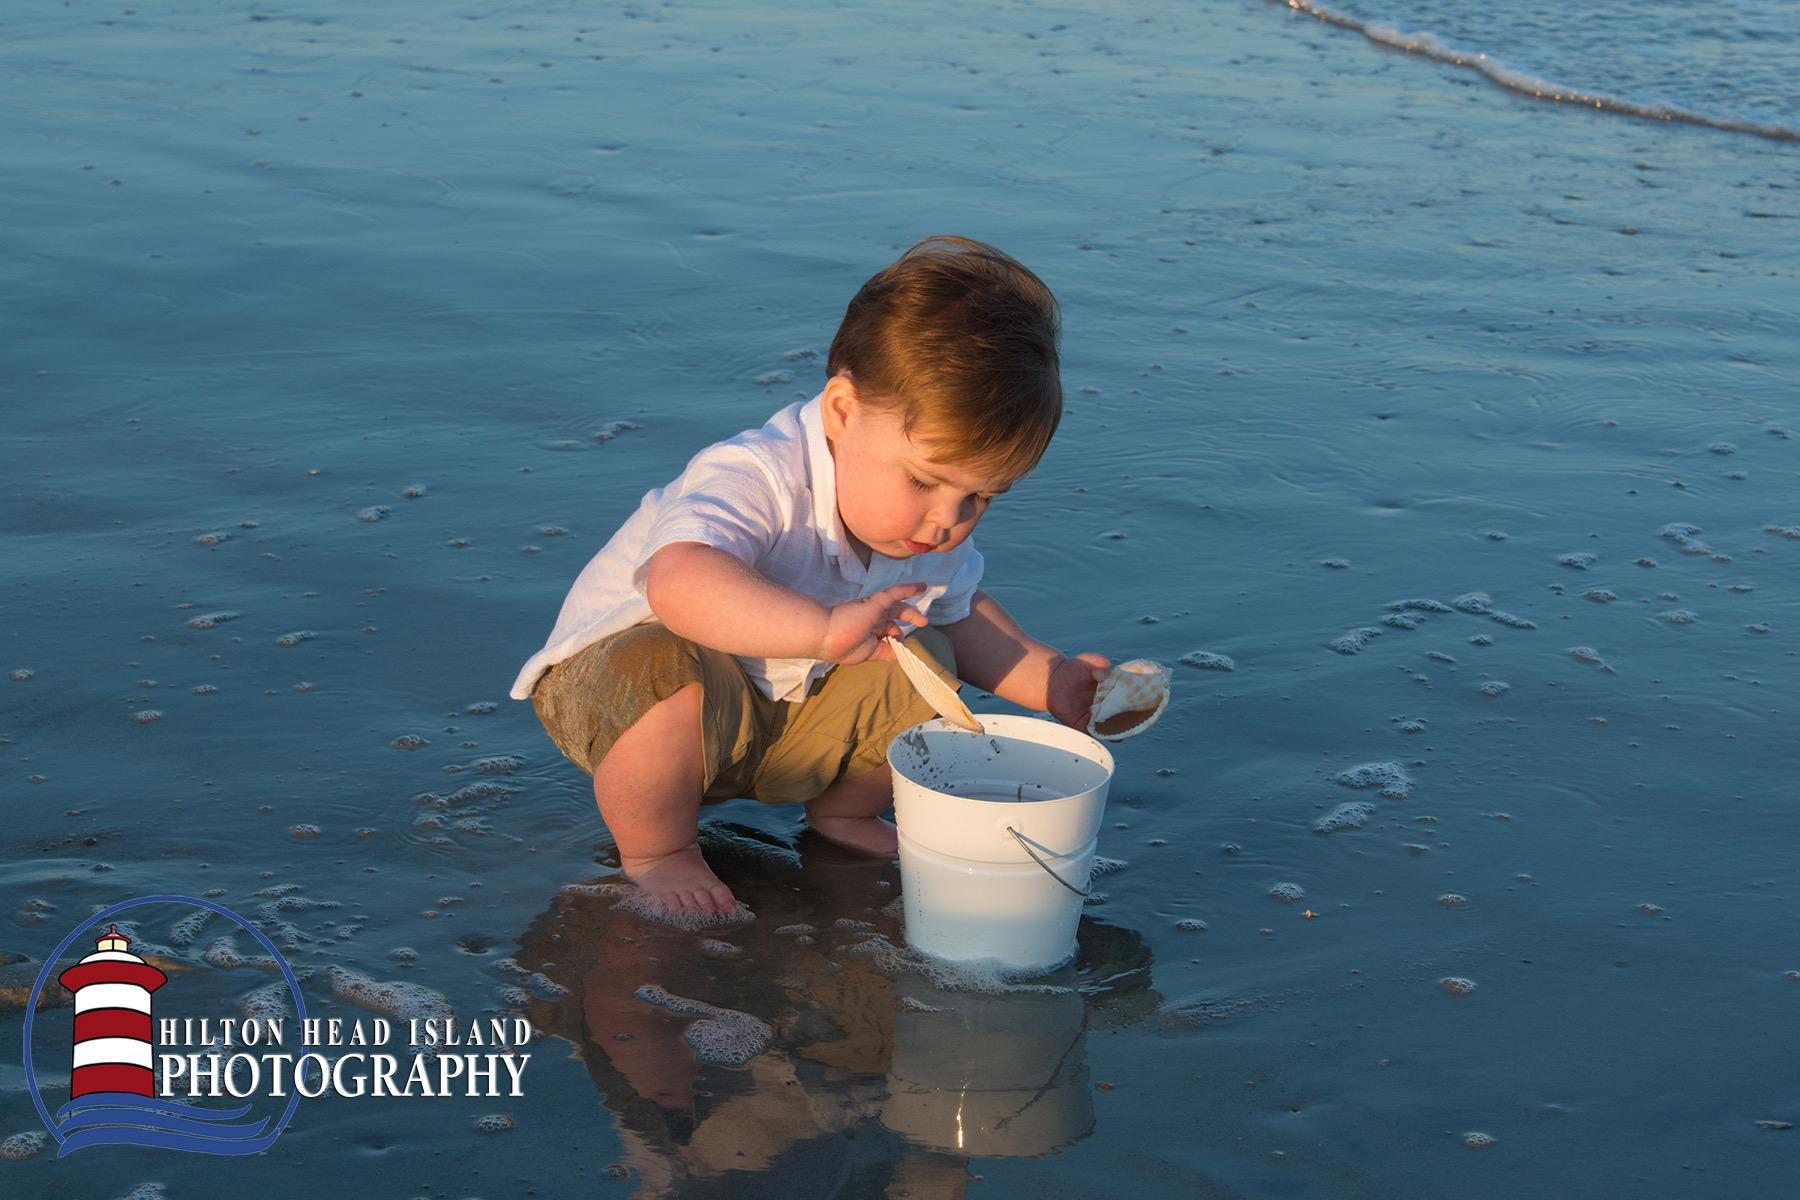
(659, 727)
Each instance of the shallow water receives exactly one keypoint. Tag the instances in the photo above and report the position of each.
(357, 329)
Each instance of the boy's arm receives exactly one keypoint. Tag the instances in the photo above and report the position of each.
(716, 599)
(997, 656)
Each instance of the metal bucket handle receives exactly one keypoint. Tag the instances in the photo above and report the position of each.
(1083, 892)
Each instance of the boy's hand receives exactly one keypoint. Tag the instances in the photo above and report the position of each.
(853, 631)
(1072, 684)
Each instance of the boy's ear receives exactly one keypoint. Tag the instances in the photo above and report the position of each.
(838, 402)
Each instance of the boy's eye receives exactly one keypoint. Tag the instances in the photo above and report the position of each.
(926, 487)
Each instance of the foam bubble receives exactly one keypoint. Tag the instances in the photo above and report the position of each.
(296, 637)
(269, 1002)
(1581, 560)
(21, 1146)
(1389, 777)
(1476, 1140)
(985, 976)
(1495, 688)
(223, 955)
(374, 513)
(209, 620)
(722, 1035)
(1191, 925)
(1419, 605)
(1456, 985)
(1353, 815)
(1353, 641)
(184, 931)
(495, 1123)
(410, 741)
(145, 716)
(1206, 660)
(1452, 900)
(1288, 893)
(545, 987)
(640, 904)
(390, 998)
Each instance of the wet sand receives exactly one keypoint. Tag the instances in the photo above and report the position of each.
(1446, 439)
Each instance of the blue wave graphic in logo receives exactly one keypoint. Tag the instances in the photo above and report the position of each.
(127, 1119)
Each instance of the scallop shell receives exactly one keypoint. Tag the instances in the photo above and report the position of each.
(940, 695)
(1129, 700)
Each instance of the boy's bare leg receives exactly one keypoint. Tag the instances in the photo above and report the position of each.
(849, 812)
(648, 788)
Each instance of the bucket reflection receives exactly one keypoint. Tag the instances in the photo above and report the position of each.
(989, 1076)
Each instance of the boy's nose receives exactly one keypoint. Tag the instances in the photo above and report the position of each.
(946, 516)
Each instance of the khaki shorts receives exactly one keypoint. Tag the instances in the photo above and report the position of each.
(773, 750)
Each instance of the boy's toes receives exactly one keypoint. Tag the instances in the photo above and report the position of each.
(722, 899)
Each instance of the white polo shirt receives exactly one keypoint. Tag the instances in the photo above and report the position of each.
(769, 497)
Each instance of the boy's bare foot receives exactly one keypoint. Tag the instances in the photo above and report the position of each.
(871, 835)
(680, 882)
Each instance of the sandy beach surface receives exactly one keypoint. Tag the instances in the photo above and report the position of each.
(1445, 440)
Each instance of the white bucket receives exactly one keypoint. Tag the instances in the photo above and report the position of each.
(997, 837)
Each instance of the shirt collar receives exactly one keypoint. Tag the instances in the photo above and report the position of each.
(822, 479)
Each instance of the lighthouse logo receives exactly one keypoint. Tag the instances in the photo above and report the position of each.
(112, 1078)
(140, 1078)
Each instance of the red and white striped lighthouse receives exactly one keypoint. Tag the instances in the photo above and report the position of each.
(113, 1037)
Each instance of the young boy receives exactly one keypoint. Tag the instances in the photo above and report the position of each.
(727, 640)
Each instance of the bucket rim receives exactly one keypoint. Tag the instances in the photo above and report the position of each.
(997, 724)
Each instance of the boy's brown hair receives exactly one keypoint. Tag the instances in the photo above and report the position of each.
(961, 340)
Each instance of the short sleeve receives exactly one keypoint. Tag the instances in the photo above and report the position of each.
(959, 593)
(726, 499)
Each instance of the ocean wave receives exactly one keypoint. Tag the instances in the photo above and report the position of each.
(1525, 84)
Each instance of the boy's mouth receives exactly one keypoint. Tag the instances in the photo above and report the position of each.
(918, 547)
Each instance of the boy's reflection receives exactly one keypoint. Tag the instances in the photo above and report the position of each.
(880, 1080)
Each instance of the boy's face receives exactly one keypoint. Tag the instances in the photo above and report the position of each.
(880, 471)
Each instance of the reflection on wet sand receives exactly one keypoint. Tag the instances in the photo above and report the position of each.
(860, 1073)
